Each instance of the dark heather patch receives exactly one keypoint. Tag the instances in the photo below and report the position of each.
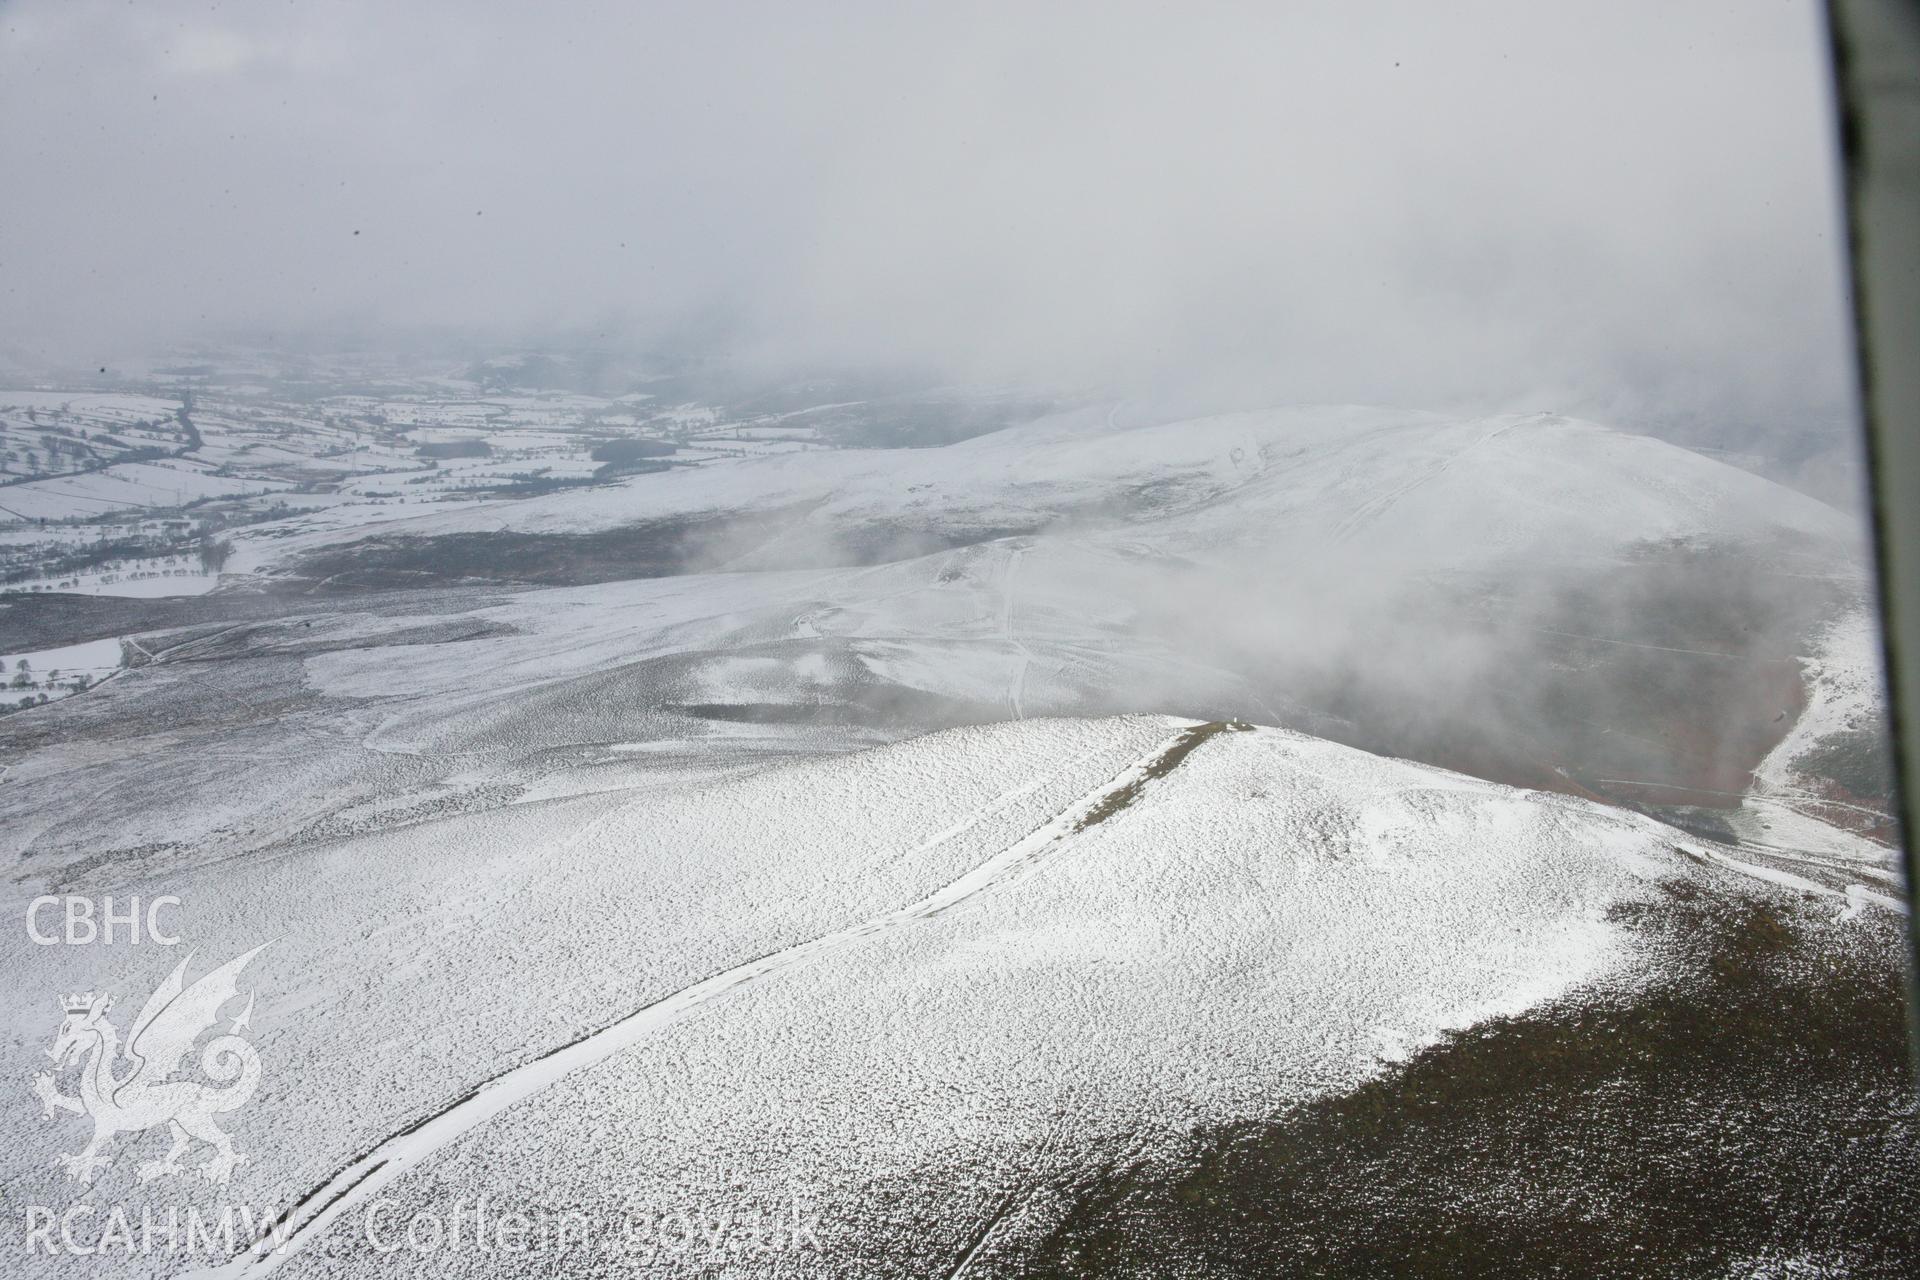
(50, 620)
(1857, 763)
(653, 549)
(1752, 1113)
(718, 541)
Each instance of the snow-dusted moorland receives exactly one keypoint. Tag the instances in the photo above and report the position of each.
(928, 849)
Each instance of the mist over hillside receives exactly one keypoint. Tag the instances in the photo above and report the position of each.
(1599, 214)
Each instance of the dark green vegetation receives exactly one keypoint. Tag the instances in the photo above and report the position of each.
(1752, 1112)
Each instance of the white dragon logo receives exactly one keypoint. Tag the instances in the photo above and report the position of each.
(131, 1093)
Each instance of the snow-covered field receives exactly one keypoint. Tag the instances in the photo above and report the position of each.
(135, 579)
(50, 674)
(132, 486)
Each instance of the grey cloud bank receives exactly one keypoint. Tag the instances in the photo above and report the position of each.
(1622, 210)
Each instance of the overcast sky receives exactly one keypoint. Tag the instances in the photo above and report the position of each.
(1609, 208)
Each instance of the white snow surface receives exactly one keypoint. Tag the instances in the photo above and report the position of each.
(1366, 478)
(901, 980)
(918, 971)
(121, 487)
(94, 657)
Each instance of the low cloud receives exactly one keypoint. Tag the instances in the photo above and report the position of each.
(1627, 211)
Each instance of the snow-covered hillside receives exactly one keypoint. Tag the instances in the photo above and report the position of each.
(1531, 599)
(882, 836)
(953, 964)
(1452, 493)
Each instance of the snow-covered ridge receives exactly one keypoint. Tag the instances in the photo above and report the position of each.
(362, 1179)
(1206, 567)
(1313, 476)
(1268, 918)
